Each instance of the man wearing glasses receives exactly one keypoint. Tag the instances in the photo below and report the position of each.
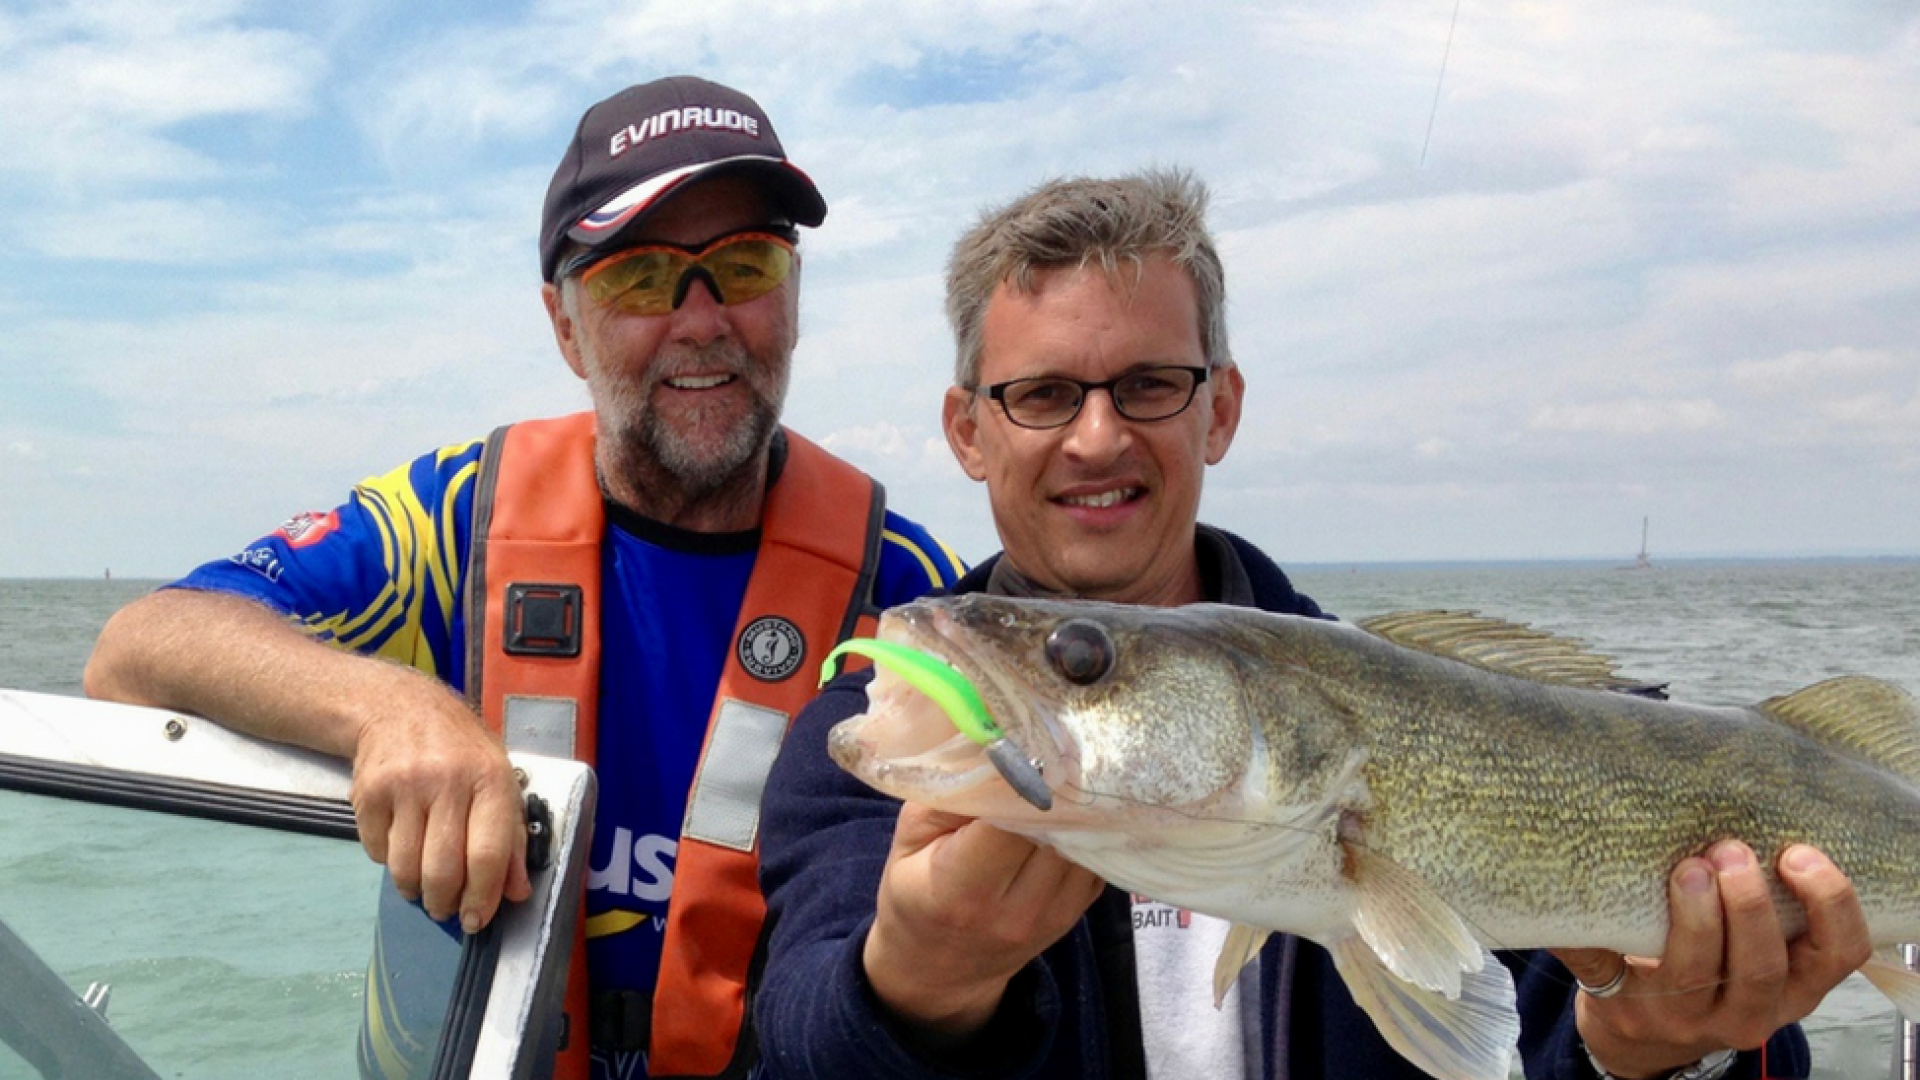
(676, 529)
(1093, 388)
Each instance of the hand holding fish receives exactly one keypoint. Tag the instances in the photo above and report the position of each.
(1727, 977)
(964, 906)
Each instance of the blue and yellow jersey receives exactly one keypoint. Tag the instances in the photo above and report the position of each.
(379, 574)
(382, 574)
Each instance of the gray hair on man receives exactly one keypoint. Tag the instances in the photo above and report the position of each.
(1077, 221)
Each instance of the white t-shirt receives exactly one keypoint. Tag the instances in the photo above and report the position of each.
(1186, 1037)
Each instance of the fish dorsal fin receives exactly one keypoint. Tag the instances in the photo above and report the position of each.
(1503, 647)
(1866, 717)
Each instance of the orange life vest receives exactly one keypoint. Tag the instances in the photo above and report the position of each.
(533, 663)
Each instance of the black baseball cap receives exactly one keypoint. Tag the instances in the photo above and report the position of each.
(642, 144)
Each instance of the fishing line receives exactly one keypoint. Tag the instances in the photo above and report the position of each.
(1435, 111)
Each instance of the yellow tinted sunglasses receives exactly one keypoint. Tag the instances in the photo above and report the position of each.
(653, 280)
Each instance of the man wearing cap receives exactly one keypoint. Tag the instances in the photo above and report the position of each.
(676, 529)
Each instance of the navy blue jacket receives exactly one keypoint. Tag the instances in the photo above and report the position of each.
(1074, 1011)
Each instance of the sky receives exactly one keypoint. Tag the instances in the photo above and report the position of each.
(1506, 280)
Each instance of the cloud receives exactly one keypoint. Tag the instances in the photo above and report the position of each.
(95, 96)
(1659, 258)
(1813, 371)
(168, 232)
(881, 440)
(1628, 418)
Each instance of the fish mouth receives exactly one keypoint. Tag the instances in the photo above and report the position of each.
(917, 753)
(920, 755)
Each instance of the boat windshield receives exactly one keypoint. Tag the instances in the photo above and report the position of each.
(139, 943)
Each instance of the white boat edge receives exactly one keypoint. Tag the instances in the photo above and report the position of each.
(535, 937)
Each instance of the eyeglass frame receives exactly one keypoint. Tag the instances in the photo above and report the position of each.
(998, 392)
(585, 261)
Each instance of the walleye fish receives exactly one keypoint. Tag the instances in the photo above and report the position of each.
(1408, 793)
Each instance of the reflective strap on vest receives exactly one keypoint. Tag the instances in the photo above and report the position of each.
(541, 725)
(724, 806)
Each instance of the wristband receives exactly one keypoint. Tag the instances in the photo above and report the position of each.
(1711, 1067)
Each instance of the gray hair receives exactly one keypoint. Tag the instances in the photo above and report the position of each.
(1074, 222)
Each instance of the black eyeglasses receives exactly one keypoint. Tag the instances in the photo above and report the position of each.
(1052, 401)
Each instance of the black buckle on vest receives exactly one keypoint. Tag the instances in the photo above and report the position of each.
(543, 620)
(621, 1020)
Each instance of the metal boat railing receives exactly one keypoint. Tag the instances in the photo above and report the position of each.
(1906, 1041)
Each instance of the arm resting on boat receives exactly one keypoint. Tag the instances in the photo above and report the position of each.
(433, 792)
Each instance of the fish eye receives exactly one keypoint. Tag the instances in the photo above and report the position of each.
(1081, 650)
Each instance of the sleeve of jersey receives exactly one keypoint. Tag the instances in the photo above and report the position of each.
(912, 563)
(379, 574)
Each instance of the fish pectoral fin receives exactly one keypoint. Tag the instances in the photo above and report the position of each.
(1416, 934)
(1889, 974)
(1242, 945)
(1469, 1037)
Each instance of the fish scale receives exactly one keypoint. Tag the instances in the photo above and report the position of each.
(1627, 787)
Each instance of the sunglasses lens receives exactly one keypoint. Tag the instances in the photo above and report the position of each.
(748, 267)
(645, 281)
(641, 281)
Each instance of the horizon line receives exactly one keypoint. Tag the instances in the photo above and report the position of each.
(1627, 562)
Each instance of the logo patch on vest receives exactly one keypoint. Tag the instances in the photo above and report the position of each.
(771, 648)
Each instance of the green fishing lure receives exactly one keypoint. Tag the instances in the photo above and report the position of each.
(930, 675)
(958, 698)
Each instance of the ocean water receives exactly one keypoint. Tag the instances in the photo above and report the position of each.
(231, 953)
(47, 628)
(1718, 633)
